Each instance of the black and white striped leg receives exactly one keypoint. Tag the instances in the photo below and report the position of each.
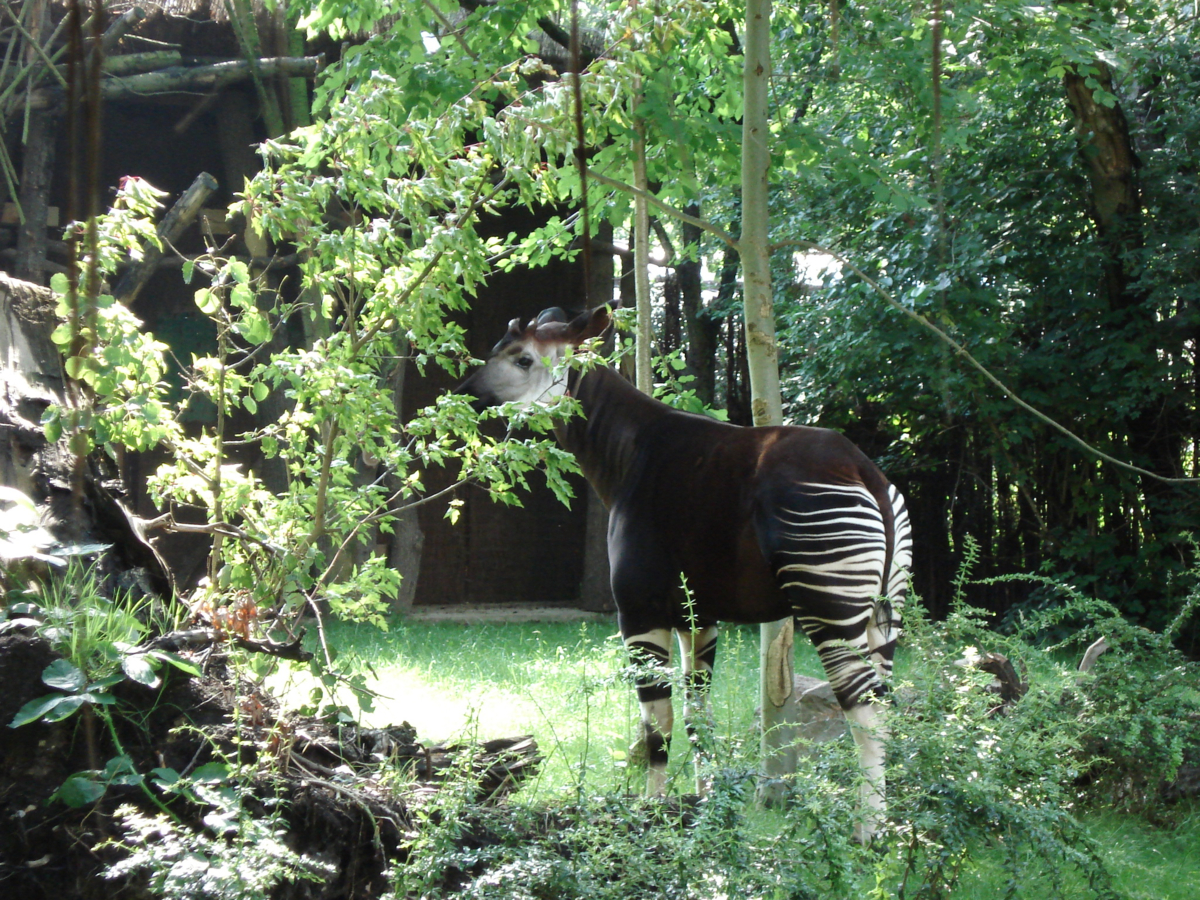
(698, 653)
(650, 652)
(855, 675)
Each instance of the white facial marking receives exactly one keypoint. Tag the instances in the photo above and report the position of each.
(525, 372)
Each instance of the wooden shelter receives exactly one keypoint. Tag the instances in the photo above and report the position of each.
(189, 88)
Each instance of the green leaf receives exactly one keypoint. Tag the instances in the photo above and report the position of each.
(105, 683)
(176, 660)
(165, 777)
(208, 302)
(254, 327)
(189, 267)
(35, 709)
(59, 283)
(120, 770)
(80, 789)
(211, 773)
(141, 670)
(67, 706)
(64, 675)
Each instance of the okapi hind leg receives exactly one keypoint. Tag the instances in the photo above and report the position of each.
(869, 727)
(855, 675)
(698, 655)
(650, 653)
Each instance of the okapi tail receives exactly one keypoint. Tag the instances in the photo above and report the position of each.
(884, 629)
(900, 558)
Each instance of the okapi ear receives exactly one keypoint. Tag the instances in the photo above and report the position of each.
(553, 314)
(590, 324)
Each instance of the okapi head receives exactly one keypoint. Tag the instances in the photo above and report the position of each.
(526, 365)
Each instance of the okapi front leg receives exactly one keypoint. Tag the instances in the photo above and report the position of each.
(698, 654)
(650, 653)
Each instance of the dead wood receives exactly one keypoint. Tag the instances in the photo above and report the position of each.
(173, 224)
(1093, 653)
(176, 79)
(1008, 684)
(193, 639)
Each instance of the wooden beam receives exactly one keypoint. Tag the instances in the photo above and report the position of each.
(175, 79)
(11, 215)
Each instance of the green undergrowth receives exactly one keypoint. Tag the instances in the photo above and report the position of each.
(983, 804)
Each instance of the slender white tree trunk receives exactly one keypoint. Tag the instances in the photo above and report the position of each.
(763, 355)
(641, 252)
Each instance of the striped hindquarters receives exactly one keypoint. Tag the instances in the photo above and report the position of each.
(831, 554)
(831, 541)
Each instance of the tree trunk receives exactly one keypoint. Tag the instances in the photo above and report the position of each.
(1116, 206)
(702, 329)
(777, 675)
(407, 540)
(641, 250)
(595, 589)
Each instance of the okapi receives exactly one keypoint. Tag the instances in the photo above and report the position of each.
(762, 523)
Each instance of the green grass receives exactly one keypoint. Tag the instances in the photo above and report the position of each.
(562, 682)
(565, 684)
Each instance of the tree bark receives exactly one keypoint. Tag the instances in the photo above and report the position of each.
(763, 357)
(1111, 164)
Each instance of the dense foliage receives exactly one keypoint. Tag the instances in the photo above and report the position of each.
(983, 210)
(1016, 173)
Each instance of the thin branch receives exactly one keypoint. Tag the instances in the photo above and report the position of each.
(979, 367)
(450, 29)
(702, 224)
(166, 522)
(38, 48)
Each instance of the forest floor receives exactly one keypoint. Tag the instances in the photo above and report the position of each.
(348, 792)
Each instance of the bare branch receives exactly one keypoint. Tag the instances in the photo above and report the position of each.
(702, 224)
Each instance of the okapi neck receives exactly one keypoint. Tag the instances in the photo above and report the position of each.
(604, 438)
